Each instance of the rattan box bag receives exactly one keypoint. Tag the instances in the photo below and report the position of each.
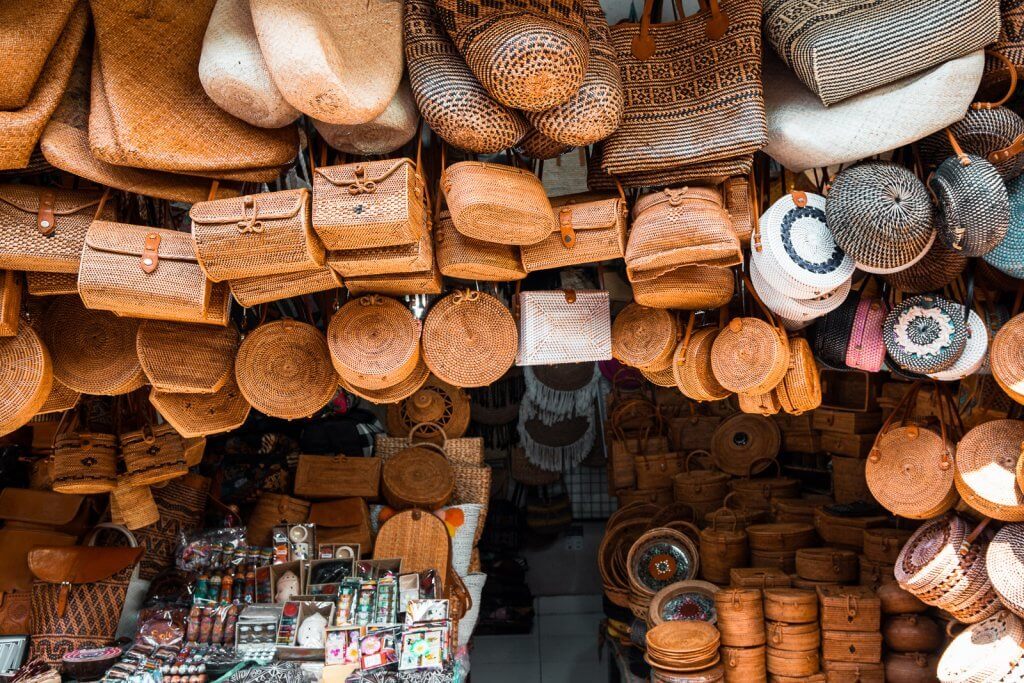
(183, 358)
(253, 291)
(469, 339)
(591, 228)
(374, 342)
(925, 334)
(563, 326)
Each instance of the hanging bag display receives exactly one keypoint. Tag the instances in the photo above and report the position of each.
(563, 327)
(691, 364)
(750, 355)
(591, 229)
(644, 337)
(374, 342)
(469, 339)
(925, 334)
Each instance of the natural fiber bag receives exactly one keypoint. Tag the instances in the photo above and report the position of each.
(26, 378)
(136, 37)
(538, 146)
(343, 521)
(234, 73)
(974, 355)
(469, 339)
(418, 477)
(821, 46)
(84, 461)
(272, 509)
(465, 258)
(180, 504)
(403, 259)
(591, 229)
(691, 365)
(185, 359)
(10, 303)
(395, 392)
(563, 327)
(339, 63)
(645, 337)
(803, 133)
(44, 228)
(677, 227)
(497, 203)
(688, 119)
(371, 203)
(374, 342)
(450, 98)
(253, 291)
(391, 129)
(60, 399)
(706, 172)
(397, 284)
(925, 334)
(1008, 256)
(321, 476)
(143, 272)
(530, 56)
(197, 415)
(27, 50)
(694, 287)
(866, 348)
(750, 355)
(791, 310)
(1006, 358)
(985, 473)
(800, 389)
(255, 235)
(51, 284)
(989, 131)
(20, 128)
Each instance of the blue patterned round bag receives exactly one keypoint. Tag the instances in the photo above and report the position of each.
(1008, 256)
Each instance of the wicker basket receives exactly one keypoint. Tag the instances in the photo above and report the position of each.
(59, 399)
(883, 545)
(792, 637)
(564, 327)
(745, 444)
(781, 537)
(321, 476)
(645, 337)
(703, 490)
(591, 229)
(759, 577)
(26, 378)
(843, 530)
(744, 664)
(283, 369)
(796, 665)
(987, 651)
(418, 477)
(397, 284)
(183, 358)
(253, 291)
(723, 547)
(419, 538)
(465, 258)
(694, 287)
(416, 258)
(827, 564)
(758, 494)
(374, 342)
(912, 633)
(791, 605)
(782, 560)
(271, 510)
(84, 462)
(393, 394)
(469, 339)
(852, 646)
(152, 455)
(51, 284)
(1006, 568)
(195, 415)
(691, 365)
(740, 617)
(1006, 357)
(132, 505)
(849, 608)
(800, 389)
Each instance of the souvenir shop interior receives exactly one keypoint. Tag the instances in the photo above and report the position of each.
(511, 341)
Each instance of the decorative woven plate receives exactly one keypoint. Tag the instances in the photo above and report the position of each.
(683, 637)
(685, 601)
(93, 352)
(437, 407)
(911, 472)
(925, 334)
(399, 392)
(741, 440)
(284, 369)
(660, 562)
(186, 358)
(1007, 357)
(469, 339)
(644, 337)
(374, 341)
(195, 415)
(986, 464)
(26, 376)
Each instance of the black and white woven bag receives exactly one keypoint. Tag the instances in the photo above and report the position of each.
(925, 334)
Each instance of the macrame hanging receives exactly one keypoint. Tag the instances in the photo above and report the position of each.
(557, 416)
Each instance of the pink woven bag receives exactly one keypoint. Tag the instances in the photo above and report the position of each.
(866, 349)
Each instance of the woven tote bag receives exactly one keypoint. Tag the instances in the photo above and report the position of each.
(528, 55)
(84, 461)
(139, 37)
(497, 203)
(253, 291)
(318, 477)
(925, 334)
(254, 235)
(234, 73)
(595, 110)
(27, 51)
(689, 118)
(645, 338)
(374, 342)
(881, 215)
(591, 229)
(469, 339)
(152, 454)
(563, 327)
(866, 349)
(196, 415)
(391, 129)
(825, 48)
(371, 203)
(450, 98)
(26, 373)
(974, 355)
(986, 466)
(974, 207)
(44, 228)
(284, 370)
(937, 268)
(803, 133)
(186, 359)
(678, 227)
(21, 127)
(1008, 256)
(465, 258)
(143, 272)
(694, 287)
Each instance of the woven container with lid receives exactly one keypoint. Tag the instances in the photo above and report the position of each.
(742, 443)
(1005, 561)
(986, 465)
(796, 666)
(881, 215)
(782, 537)
(196, 415)
(186, 358)
(469, 339)
(884, 545)
(419, 476)
(691, 367)
(758, 493)
(496, 203)
(827, 564)
(723, 546)
(744, 664)
(26, 378)
(740, 616)
(702, 490)
(374, 341)
(750, 356)
(793, 637)
(791, 309)
(253, 291)
(987, 651)
(912, 633)
(791, 605)
(849, 608)
(645, 337)
(283, 369)
(693, 287)
(925, 334)
(760, 404)
(1006, 358)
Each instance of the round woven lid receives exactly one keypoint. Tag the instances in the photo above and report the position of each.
(691, 367)
(644, 337)
(925, 334)
(417, 477)
(974, 355)
(435, 408)
(749, 356)
(937, 268)
(986, 465)
(1005, 561)
(683, 637)
(195, 415)
(284, 369)
(741, 440)
(374, 341)
(986, 651)
(881, 215)
(798, 239)
(93, 352)
(469, 339)
(403, 390)
(1007, 355)
(911, 474)
(186, 358)
(660, 378)
(931, 554)
(26, 377)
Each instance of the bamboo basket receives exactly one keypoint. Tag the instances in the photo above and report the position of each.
(852, 646)
(792, 637)
(152, 455)
(827, 564)
(793, 664)
(791, 605)
(740, 617)
(850, 608)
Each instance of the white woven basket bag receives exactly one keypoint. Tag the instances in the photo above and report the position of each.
(796, 311)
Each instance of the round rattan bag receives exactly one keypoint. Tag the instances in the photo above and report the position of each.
(283, 369)
(986, 467)
(987, 651)
(469, 339)
(750, 356)
(645, 337)
(881, 215)
(1005, 562)
(988, 133)
(1008, 256)
(925, 334)
(374, 342)
(93, 352)
(974, 207)
(1006, 358)
(691, 367)
(974, 355)
(26, 377)
(399, 392)
(418, 477)
(800, 389)
(939, 267)
(742, 441)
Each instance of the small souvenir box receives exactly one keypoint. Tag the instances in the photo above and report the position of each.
(302, 631)
(325, 576)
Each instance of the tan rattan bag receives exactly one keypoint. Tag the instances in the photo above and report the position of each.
(800, 390)
(751, 356)
(465, 258)
(51, 284)
(692, 288)
(253, 291)
(418, 477)
(374, 342)
(26, 378)
(320, 476)
(645, 337)
(10, 303)
(591, 229)
(186, 359)
(691, 364)
(469, 339)
(404, 258)
(196, 415)
(84, 461)
(397, 284)
(255, 235)
(152, 454)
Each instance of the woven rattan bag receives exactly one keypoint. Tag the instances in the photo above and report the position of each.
(744, 445)
(152, 454)
(1006, 358)
(84, 461)
(44, 228)
(695, 287)
(497, 203)
(926, 334)
(691, 365)
(563, 327)
(591, 228)
(319, 477)
(404, 259)
(390, 130)
(195, 415)
(1008, 256)
(374, 342)
(749, 355)
(469, 339)
(397, 284)
(26, 378)
(418, 477)
(27, 51)
(253, 291)
(465, 258)
(51, 284)
(645, 338)
(986, 466)
(181, 358)
(254, 235)
(800, 389)
(677, 227)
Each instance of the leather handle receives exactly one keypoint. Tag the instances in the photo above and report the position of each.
(45, 221)
(643, 46)
(1013, 82)
(565, 227)
(686, 338)
(998, 156)
(957, 150)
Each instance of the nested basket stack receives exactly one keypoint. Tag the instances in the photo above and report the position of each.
(775, 545)
(741, 624)
(851, 622)
(657, 559)
(687, 649)
(791, 632)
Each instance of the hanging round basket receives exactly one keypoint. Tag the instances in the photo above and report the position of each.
(469, 339)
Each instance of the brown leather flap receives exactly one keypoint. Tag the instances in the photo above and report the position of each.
(268, 206)
(345, 512)
(130, 240)
(15, 545)
(80, 564)
(363, 172)
(590, 211)
(66, 202)
(39, 507)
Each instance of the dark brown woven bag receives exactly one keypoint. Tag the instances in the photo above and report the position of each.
(181, 503)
